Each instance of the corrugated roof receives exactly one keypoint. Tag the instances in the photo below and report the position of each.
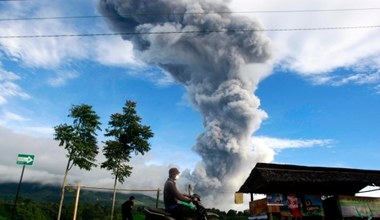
(283, 178)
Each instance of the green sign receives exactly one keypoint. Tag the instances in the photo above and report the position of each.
(25, 159)
(357, 206)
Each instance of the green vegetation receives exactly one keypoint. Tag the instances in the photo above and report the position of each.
(38, 205)
(79, 140)
(128, 136)
(38, 201)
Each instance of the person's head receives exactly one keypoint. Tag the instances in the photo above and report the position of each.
(131, 198)
(173, 172)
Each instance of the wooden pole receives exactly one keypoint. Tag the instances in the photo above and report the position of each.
(76, 203)
(158, 197)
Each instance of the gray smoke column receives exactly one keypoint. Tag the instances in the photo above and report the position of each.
(214, 62)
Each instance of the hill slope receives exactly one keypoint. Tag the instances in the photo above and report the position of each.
(51, 194)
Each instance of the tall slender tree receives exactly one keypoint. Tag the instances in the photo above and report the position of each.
(128, 136)
(79, 140)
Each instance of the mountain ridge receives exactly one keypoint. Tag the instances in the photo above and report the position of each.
(50, 193)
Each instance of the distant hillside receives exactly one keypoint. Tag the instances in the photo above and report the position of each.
(42, 200)
(51, 194)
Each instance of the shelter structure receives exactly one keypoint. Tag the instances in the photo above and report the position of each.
(331, 189)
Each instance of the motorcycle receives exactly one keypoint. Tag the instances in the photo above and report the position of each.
(201, 212)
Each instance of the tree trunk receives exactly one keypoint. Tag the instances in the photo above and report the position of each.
(113, 197)
(63, 191)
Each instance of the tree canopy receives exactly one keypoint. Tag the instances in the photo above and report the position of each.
(128, 136)
(79, 139)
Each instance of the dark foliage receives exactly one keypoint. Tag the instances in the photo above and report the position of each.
(39, 201)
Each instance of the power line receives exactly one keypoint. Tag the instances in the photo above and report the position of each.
(190, 32)
(188, 13)
(53, 18)
(313, 10)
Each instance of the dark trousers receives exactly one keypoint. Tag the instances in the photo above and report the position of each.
(128, 216)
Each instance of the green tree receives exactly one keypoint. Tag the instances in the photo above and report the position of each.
(79, 140)
(129, 136)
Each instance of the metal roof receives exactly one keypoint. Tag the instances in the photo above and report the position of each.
(283, 178)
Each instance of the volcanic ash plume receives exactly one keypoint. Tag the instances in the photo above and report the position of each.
(218, 63)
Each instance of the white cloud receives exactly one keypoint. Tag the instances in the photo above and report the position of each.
(43, 52)
(8, 76)
(50, 162)
(60, 52)
(316, 54)
(41, 43)
(9, 116)
(62, 77)
(2, 100)
(310, 53)
(281, 144)
(377, 89)
(265, 148)
(8, 88)
(38, 131)
(360, 78)
(23, 125)
(114, 51)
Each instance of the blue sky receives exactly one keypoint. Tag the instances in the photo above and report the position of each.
(320, 89)
(341, 114)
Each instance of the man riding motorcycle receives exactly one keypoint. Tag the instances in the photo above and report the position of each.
(175, 202)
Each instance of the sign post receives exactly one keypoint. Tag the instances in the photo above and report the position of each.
(22, 159)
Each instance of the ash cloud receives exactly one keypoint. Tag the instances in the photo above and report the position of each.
(219, 66)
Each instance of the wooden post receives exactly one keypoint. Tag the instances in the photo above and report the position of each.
(76, 203)
(158, 197)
